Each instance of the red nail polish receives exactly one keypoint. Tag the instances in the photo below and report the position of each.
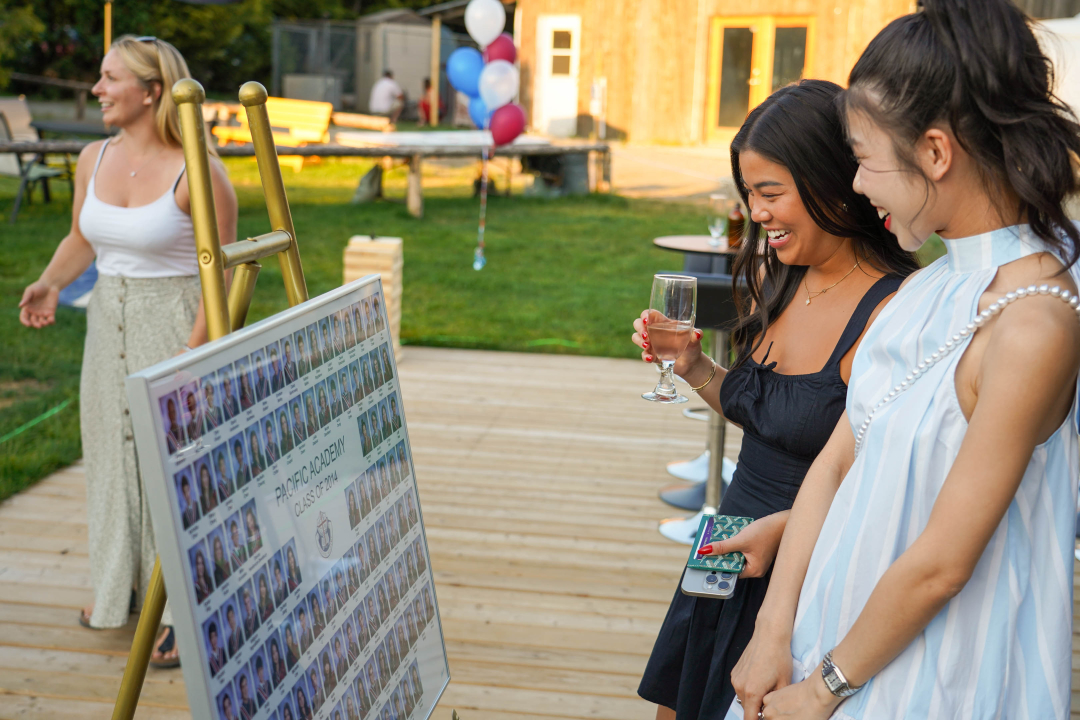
(704, 549)
(644, 344)
(645, 321)
(644, 336)
(648, 358)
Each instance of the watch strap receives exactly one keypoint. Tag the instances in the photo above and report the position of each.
(834, 678)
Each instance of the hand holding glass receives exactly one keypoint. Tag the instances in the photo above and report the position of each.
(669, 325)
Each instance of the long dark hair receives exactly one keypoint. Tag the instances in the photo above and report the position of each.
(976, 65)
(799, 127)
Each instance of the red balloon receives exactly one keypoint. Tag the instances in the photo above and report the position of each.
(501, 48)
(507, 123)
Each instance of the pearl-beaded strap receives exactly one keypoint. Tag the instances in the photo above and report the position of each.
(954, 342)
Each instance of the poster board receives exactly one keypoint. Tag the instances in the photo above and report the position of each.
(279, 474)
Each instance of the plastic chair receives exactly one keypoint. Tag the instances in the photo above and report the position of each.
(715, 301)
(28, 172)
(17, 111)
(705, 263)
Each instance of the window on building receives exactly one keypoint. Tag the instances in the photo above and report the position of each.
(789, 56)
(560, 61)
(735, 75)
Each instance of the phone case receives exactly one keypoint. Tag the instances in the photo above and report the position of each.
(715, 528)
(708, 583)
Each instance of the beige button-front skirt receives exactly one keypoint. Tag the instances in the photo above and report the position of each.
(131, 325)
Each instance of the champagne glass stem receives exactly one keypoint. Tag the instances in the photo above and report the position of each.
(665, 391)
(666, 385)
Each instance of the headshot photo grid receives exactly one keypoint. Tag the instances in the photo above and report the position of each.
(278, 642)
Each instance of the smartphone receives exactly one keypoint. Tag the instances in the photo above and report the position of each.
(716, 528)
(708, 583)
(714, 576)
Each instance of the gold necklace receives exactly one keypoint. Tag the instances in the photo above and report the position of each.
(810, 296)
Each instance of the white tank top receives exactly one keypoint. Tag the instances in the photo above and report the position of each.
(148, 241)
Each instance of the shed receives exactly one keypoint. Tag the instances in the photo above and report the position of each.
(339, 61)
(400, 41)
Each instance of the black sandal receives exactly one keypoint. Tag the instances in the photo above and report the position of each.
(167, 644)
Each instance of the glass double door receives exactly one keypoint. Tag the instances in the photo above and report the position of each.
(749, 58)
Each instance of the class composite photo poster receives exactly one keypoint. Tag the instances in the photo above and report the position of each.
(284, 500)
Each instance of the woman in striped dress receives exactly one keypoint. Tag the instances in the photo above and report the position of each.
(926, 568)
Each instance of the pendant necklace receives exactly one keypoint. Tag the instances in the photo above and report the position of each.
(140, 168)
(810, 296)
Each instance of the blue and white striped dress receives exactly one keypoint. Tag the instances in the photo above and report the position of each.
(1002, 648)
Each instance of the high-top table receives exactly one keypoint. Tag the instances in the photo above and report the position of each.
(694, 244)
(698, 245)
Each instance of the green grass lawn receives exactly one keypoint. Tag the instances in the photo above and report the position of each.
(563, 276)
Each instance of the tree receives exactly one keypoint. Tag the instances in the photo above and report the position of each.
(224, 45)
(19, 27)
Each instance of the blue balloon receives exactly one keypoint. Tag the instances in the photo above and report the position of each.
(479, 113)
(463, 70)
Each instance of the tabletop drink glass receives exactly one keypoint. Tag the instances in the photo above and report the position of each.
(720, 205)
(670, 322)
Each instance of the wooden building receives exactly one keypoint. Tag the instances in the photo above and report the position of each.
(686, 72)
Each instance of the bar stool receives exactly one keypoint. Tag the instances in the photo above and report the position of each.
(715, 310)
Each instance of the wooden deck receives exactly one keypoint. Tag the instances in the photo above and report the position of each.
(533, 470)
(538, 477)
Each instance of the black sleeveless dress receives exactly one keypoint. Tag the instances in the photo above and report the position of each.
(786, 421)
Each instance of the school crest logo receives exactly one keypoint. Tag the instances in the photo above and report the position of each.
(324, 535)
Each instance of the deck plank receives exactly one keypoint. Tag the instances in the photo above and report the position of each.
(541, 512)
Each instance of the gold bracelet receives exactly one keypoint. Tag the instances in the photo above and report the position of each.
(701, 387)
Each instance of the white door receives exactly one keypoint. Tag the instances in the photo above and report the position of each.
(558, 52)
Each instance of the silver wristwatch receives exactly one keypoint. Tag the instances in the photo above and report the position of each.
(835, 680)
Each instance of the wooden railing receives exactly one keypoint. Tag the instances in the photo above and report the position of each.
(81, 88)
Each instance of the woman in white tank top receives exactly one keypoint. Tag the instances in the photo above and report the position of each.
(131, 212)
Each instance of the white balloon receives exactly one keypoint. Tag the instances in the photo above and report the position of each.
(484, 19)
(498, 84)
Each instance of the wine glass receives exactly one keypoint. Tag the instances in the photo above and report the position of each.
(670, 322)
(719, 209)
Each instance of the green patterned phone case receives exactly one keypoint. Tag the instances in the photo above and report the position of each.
(715, 528)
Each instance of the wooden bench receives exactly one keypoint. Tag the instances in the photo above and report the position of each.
(293, 123)
(363, 122)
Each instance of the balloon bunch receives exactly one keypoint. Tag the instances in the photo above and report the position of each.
(490, 80)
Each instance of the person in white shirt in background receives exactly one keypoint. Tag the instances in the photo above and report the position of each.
(387, 97)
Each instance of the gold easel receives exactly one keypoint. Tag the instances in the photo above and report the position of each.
(223, 315)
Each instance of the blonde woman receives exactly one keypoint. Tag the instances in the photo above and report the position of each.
(131, 212)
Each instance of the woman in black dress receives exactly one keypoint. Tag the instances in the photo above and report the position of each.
(827, 268)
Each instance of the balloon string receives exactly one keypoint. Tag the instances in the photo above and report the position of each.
(480, 260)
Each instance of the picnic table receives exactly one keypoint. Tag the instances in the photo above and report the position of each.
(414, 154)
(458, 143)
(72, 127)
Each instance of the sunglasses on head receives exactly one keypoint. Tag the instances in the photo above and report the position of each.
(146, 38)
